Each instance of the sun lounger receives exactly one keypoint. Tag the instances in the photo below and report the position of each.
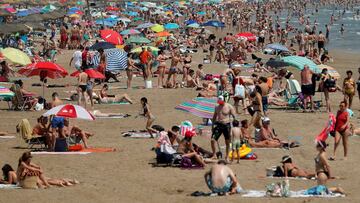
(25, 131)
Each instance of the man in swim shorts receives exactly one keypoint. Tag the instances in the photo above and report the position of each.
(222, 180)
(307, 86)
(221, 124)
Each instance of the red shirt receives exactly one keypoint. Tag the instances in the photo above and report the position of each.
(341, 119)
(144, 57)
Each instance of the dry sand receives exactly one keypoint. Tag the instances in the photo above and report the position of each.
(127, 176)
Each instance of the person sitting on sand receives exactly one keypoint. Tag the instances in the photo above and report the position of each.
(56, 101)
(291, 170)
(26, 168)
(42, 128)
(186, 149)
(103, 97)
(222, 180)
(190, 80)
(9, 175)
(74, 130)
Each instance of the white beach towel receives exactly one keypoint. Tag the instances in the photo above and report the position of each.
(7, 137)
(6, 186)
(293, 194)
(138, 134)
(60, 153)
(291, 178)
(113, 117)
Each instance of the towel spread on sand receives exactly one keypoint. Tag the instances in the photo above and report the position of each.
(60, 153)
(6, 186)
(113, 117)
(138, 134)
(92, 150)
(293, 194)
(7, 137)
(291, 178)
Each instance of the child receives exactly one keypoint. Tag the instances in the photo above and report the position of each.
(245, 136)
(236, 137)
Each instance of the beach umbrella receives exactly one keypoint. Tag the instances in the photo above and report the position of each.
(188, 22)
(116, 60)
(246, 36)
(16, 56)
(129, 32)
(138, 40)
(74, 9)
(92, 73)
(200, 106)
(138, 19)
(99, 14)
(103, 45)
(126, 20)
(44, 70)
(277, 47)
(214, 23)
(139, 49)
(299, 62)
(171, 26)
(48, 8)
(74, 16)
(111, 36)
(131, 13)
(163, 34)
(332, 71)
(144, 25)
(70, 111)
(201, 13)
(276, 63)
(6, 93)
(111, 8)
(193, 25)
(157, 28)
(104, 22)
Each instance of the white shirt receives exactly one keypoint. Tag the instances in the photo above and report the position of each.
(77, 58)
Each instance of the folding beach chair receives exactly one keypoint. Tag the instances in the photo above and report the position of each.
(19, 101)
(25, 130)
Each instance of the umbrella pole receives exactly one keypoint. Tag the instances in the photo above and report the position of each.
(43, 94)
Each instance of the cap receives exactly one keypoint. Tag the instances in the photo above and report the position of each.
(190, 133)
(285, 158)
(221, 98)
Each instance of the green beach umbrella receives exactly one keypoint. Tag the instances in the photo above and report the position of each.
(138, 40)
(299, 62)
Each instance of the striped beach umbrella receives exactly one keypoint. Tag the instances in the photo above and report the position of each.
(6, 92)
(299, 62)
(201, 107)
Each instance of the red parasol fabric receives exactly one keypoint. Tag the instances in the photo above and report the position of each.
(111, 8)
(92, 73)
(70, 111)
(44, 70)
(111, 36)
(246, 35)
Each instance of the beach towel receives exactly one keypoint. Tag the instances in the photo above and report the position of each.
(7, 137)
(97, 150)
(118, 103)
(7, 186)
(291, 178)
(113, 117)
(60, 153)
(293, 194)
(329, 128)
(138, 134)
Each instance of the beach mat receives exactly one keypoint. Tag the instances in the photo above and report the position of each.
(291, 178)
(7, 137)
(293, 194)
(7, 186)
(137, 134)
(60, 153)
(113, 117)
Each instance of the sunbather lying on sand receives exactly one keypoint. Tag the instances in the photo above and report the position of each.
(291, 170)
(98, 113)
(222, 180)
(103, 97)
(26, 169)
(74, 130)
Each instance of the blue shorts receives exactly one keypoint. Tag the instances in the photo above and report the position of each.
(57, 122)
(226, 188)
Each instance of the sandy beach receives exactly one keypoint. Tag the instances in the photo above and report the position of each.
(126, 175)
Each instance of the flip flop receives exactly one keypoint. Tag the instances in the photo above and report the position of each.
(331, 159)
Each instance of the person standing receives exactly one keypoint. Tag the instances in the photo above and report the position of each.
(145, 57)
(221, 124)
(83, 87)
(349, 88)
(342, 128)
(307, 87)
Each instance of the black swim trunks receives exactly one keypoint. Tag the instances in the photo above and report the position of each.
(83, 87)
(221, 128)
(307, 89)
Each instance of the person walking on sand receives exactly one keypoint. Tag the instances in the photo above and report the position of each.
(83, 87)
(221, 124)
(349, 88)
(307, 87)
(150, 117)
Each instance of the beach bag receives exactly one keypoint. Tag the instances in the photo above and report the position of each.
(279, 189)
(239, 91)
(186, 163)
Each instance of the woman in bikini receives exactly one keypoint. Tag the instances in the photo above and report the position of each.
(291, 170)
(342, 128)
(349, 88)
(176, 59)
(161, 69)
(187, 65)
(150, 117)
(129, 70)
(103, 97)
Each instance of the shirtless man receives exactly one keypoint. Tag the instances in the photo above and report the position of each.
(74, 130)
(56, 101)
(222, 180)
(221, 124)
(321, 42)
(82, 87)
(264, 93)
(307, 86)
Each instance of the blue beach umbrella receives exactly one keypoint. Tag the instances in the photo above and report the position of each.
(104, 22)
(214, 23)
(145, 25)
(171, 26)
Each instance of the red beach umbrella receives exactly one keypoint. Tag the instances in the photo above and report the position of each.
(111, 36)
(44, 70)
(92, 73)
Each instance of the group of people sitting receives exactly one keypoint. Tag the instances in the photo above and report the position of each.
(26, 169)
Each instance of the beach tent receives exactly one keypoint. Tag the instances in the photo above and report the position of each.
(299, 62)
(200, 106)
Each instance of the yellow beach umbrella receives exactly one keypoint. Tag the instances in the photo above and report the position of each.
(157, 28)
(16, 56)
(332, 71)
(74, 16)
(139, 49)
